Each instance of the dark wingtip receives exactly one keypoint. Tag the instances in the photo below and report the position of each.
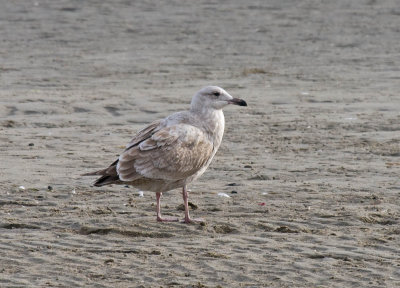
(106, 180)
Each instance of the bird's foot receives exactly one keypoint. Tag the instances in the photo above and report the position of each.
(193, 220)
(167, 219)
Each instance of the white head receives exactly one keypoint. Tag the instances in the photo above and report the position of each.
(214, 97)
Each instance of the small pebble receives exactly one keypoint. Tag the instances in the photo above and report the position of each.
(49, 188)
(31, 144)
(21, 188)
(224, 195)
(234, 192)
(248, 166)
(140, 193)
(233, 184)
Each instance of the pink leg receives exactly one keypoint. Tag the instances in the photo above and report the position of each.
(159, 218)
(186, 204)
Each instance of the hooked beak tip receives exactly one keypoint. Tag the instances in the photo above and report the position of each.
(237, 101)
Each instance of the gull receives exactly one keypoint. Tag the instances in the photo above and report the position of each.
(172, 152)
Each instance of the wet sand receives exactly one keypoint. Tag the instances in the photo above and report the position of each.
(311, 166)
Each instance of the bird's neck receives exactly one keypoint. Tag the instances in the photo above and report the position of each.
(213, 123)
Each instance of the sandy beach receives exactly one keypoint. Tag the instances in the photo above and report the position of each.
(310, 169)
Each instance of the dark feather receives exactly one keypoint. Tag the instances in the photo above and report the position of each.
(106, 179)
(108, 175)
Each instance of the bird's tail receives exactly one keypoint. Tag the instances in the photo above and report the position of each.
(108, 175)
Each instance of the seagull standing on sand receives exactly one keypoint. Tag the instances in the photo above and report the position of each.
(172, 152)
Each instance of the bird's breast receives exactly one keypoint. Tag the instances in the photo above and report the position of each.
(218, 128)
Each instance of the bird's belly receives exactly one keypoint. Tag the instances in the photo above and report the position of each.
(197, 174)
(156, 185)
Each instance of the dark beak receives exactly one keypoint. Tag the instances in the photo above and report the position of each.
(237, 101)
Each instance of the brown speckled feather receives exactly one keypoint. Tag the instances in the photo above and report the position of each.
(144, 133)
(110, 175)
(172, 153)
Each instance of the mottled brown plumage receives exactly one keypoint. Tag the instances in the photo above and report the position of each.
(174, 151)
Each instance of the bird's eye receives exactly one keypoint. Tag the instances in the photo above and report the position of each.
(216, 93)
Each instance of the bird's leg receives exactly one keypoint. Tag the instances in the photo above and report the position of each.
(158, 196)
(186, 204)
(159, 218)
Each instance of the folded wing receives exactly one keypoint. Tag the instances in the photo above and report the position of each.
(109, 175)
(170, 153)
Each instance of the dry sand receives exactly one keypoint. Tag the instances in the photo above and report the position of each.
(312, 165)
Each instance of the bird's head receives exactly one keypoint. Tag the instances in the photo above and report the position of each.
(214, 97)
